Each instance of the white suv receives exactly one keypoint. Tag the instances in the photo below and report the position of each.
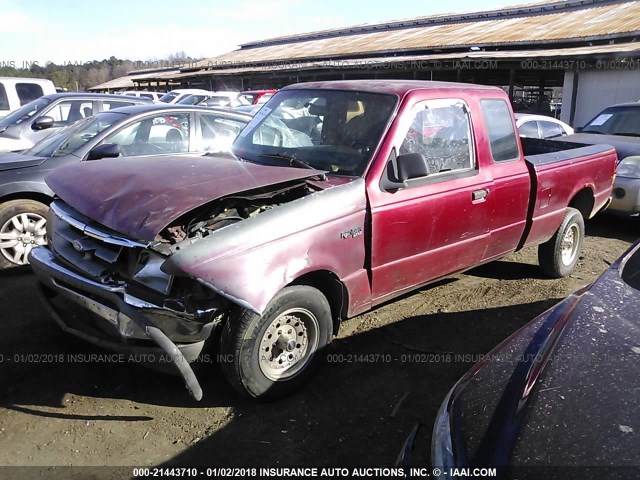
(16, 92)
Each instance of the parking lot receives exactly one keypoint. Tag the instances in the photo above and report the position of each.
(63, 402)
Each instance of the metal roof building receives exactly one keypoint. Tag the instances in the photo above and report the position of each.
(536, 51)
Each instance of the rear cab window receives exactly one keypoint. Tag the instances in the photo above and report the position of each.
(500, 129)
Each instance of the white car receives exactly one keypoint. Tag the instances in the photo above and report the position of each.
(540, 126)
(174, 96)
(214, 99)
(155, 96)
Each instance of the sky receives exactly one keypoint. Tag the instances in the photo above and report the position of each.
(67, 31)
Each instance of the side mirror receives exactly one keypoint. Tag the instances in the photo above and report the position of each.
(42, 123)
(106, 150)
(411, 165)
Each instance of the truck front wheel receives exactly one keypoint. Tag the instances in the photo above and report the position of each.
(559, 255)
(268, 356)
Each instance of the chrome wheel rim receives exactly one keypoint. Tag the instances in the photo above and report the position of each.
(20, 234)
(288, 344)
(570, 243)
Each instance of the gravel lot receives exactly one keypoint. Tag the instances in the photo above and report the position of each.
(387, 371)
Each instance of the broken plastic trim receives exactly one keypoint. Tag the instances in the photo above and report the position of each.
(186, 372)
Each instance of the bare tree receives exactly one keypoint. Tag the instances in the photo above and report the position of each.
(98, 75)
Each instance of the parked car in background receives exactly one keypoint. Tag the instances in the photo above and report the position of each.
(541, 126)
(16, 92)
(214, 99)
(560, 392)
(126, 132)
(315, 218)
(174, 96)
(255, 97)
(41, 117)
(155, 96)
(619, 126)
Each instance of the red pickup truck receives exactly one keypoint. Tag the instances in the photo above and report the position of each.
(337, 196)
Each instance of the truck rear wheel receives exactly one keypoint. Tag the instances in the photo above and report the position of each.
(270, 355)
(559, 255)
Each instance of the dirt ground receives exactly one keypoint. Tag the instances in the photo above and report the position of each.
(383, 374)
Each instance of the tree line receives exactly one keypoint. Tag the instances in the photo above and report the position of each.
(79, 76)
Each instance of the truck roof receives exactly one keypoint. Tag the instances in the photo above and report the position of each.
(396, 87)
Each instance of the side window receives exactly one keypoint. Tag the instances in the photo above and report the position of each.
(502, 136)
(70, 111)
(218, 133)
(551, 130)
(146, 95)
(529, 129)
(111, 104)
(440, 133)
(4, 101)
(161, 134)
(28, 92)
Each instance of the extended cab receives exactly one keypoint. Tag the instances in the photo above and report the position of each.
(339, 196)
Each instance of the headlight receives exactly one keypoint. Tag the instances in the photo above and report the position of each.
(629, 167)
(441, 446)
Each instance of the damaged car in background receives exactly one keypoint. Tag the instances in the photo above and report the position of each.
(371, 189)
(560, 392)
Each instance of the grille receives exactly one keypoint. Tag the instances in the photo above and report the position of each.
(89, 248)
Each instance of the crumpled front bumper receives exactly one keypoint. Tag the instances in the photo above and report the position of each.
(122, 322)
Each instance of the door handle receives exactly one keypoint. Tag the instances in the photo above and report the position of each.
(479, 194)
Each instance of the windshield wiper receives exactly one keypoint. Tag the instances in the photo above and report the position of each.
(291, 160)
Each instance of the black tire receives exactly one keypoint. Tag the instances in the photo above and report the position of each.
(33, 212)
(251, 353)
(559, 255)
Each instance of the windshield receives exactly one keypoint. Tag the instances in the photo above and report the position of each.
(332, 130)
(191, 99)
(622, 120)
(69, 139)
(25, 112)
(167, 97)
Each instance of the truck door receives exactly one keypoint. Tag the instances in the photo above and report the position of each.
(512, 181)
(438, 222)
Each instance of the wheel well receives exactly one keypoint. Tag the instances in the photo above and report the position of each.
(38, 197)
(332, 288)
(583, 201)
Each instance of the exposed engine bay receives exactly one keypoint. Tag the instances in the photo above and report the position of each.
(203, 221)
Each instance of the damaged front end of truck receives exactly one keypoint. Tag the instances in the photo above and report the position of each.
(166, 294)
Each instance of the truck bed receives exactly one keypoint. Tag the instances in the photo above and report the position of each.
(541, 152)
(551, 163)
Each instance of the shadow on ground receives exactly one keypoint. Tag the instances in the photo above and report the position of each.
(361, 405)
